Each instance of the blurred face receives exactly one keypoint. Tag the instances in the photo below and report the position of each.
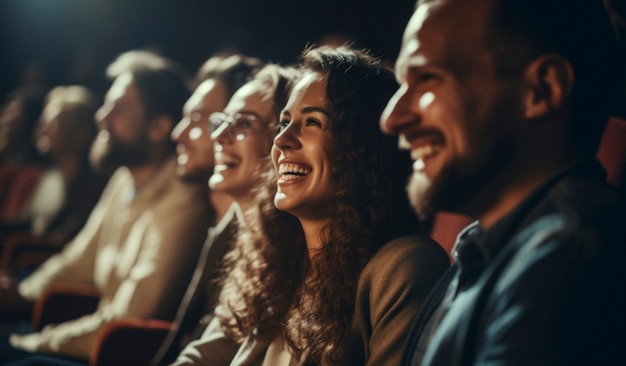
(242, 141)
(455, 116)
(123, 137)
(302, 152)
(50, 133)
(194, 145)
(12, 123)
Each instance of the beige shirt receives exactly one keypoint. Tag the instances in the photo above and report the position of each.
(138, 248)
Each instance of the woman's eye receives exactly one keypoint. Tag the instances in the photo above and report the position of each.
(283, 124)
(427, 76)
(313, 122)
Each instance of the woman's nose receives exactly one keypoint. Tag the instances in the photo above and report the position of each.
(180, 129)
(287, 138)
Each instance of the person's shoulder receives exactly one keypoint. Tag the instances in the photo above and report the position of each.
(589, 214)
(580, 217)
(414, 248)
(400, 276)
(121, 174)
(587, 201)
(580, 229)
(120, 179)
(408, 256)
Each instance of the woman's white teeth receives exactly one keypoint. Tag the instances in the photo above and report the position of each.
(223, 159)
(293, 169)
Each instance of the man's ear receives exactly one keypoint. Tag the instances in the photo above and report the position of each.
(160, 128)
(549, 80)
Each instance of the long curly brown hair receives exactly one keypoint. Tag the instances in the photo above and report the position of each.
(243, 300)
(264, 268)
(268, 288)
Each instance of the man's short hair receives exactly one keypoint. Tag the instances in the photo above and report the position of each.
(578, 30)
(161, 83)
(80, 102)
(233, 71)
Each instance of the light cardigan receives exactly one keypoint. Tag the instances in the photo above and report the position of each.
(138, 248)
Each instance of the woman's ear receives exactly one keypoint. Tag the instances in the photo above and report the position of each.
(549, 80)
(160, 128)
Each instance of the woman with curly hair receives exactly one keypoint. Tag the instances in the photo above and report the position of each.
(242, 138)
(326, 273)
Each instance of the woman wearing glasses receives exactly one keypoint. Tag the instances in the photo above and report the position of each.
(243, 134)
(326, 275)
(242, 137)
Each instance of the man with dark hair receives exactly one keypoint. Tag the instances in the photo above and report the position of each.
(142, 239)
(216, 81)
(219, 78)
(502, 104)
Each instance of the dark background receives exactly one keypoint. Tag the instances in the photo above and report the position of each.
(72, 41)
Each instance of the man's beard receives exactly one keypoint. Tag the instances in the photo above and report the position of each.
(198, 176)
(107, 153)
(446, 192)
(456, 189)
(424, 195)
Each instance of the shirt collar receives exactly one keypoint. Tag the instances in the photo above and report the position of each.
(476, 248)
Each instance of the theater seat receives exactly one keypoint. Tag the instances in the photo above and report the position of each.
(23, 252)
(64, 302)
(127, 341)
(446, 227)
(20, 192)
(8, 169)
(612, 151)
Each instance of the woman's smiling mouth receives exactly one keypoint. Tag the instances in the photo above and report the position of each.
(224, 162)
(290, 171)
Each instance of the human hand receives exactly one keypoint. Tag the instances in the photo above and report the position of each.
(27, 342)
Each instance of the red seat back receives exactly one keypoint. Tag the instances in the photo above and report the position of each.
(612, 151)
(446, 227)
(21, 191)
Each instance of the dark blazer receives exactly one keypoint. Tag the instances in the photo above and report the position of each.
(551, 289)
(196, 309)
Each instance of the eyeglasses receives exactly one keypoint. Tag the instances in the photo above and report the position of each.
(242, 124)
